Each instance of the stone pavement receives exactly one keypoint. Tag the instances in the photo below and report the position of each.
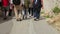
(28, 26)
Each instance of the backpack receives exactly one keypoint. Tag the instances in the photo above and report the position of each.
(16, 2)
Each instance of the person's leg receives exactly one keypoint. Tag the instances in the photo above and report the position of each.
(20, 14)
(16, 12)
(10, 12)
(34, 13)
(24, 10)
(5, 13)
(38, 13)
(29, 10)
(7, 8)
(25, 13)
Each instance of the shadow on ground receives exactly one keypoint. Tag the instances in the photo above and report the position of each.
(2, 16)
(3, 21)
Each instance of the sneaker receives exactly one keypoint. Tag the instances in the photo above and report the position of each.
(24, 17)
(36, 19)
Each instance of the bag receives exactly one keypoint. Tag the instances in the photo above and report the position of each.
(16, 2)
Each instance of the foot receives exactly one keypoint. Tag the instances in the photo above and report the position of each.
(29, 15)
(5, 18)
(36, 19)
(19, 19)
(24, 17)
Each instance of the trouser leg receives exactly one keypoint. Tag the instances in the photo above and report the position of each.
(29, 10)
(34, 11)
(38, 13)
(10, 12)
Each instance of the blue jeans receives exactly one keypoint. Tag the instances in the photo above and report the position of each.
(37, 12)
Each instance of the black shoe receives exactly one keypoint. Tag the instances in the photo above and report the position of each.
(10, 13)
(5, 18)
(19, 19)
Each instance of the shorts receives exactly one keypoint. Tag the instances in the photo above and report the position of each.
(18, 7)
(6, 8)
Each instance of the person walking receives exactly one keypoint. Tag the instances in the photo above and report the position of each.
(5, 5)
(37, 4)
(18, 9)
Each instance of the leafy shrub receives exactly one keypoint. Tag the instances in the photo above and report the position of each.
(42, 12)
(48, 16)
(56, 10)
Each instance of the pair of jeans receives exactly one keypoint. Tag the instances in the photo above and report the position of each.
(37, 12)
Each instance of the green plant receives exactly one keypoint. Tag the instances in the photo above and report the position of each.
(56, 10)
(48, 16)
(42, 12)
